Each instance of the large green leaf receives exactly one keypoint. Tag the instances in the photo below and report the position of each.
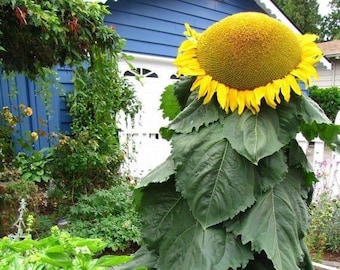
(196, 115)
(142, 259)
(159, 174)
(312, 112)
(276, 223)
(188, 246)
(201, 249)
(253, 136)
(182, 89)
(161, 205)
(270, 171)
(215, 180)
(289, 119)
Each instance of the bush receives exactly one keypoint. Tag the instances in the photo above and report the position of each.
(109, 215)
(327, 98)
(324, 230)
(78, 167)
(59, 250)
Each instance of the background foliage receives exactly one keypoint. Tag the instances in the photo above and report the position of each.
(305, 15)
(327, 98)
(324, 230)
(108, 215)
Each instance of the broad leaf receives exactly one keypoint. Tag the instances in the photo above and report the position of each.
(142, 258)
(289, 119)
(159, 174)
(182, 90)
(161, 205)
(215, 180)
(253, 136)
(270, 171)
(193, 247)
(169, 103)
(276, 223)
(196, 115)
(312, 112)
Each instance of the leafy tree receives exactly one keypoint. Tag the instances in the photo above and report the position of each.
(330, 25)
(303, 13)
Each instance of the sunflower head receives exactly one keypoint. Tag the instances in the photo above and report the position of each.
(245, 58)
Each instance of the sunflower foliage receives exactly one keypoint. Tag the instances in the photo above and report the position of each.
(235, 191)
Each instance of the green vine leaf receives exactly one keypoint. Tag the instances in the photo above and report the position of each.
(217, 182)
(253, 136)
(276, 223)
(159, 174)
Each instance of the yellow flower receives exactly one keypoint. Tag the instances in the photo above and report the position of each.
(245, 58)
(22, 106)
(34, 136)
(28, 111)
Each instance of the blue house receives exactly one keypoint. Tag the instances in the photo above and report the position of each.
(153, 31)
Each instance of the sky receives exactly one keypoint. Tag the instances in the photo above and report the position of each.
(323, 8)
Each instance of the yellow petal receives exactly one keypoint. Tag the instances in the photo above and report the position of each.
(205, 82)
(294, 85)
(222, 92)
(211, 91)
(232, 96)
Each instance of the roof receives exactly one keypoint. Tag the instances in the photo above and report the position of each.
(274, 11)
(330, 48)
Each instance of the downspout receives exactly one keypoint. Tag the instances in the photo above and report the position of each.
(333, 72)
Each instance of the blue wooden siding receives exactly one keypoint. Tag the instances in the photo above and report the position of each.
(43, 121)
(155, 27)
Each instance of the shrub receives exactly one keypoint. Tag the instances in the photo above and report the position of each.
(60, 250)
(327, 98)
(78, 167)
(109, 215)
(324, 230)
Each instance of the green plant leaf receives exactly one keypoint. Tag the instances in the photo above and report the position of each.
(143, 259)
(182, 90)
(196, 115)
(312, 112)
(253, 136)
(169, 103)
(215, 180)
(57, 259)
(159, 174)
(183, 243)
(112, 260)
(270, 171)
(192, 247)
(161, 205)
(276, 223)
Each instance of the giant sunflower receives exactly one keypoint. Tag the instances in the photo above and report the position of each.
(245, 58)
